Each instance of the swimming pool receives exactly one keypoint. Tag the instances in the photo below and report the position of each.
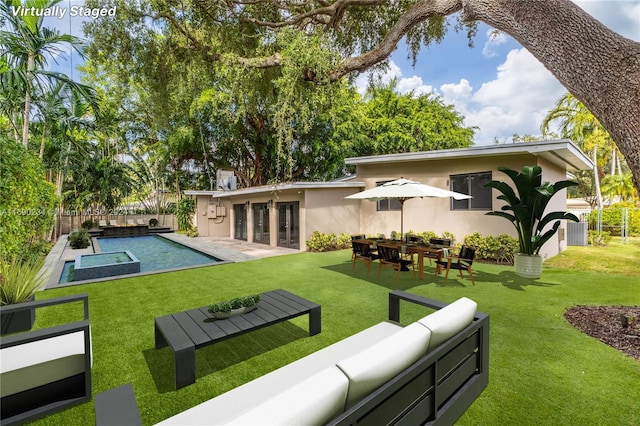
(154, 252)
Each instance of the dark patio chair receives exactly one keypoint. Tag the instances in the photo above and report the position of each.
(437, 243)
(390, 258)
(464, 260)
(362, 251)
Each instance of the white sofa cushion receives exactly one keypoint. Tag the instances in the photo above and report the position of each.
(450, 320)
(374, 366)
(224, 407)
(313, 401)
(33, 364)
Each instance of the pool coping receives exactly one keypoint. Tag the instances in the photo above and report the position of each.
(61, 253)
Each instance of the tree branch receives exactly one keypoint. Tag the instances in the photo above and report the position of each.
(417, 13)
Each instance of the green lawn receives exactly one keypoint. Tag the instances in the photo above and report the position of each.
(542, 370)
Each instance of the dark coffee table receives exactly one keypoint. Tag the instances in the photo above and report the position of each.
(187, 331)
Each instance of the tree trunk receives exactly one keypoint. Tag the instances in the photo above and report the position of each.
(598, 66)
(31, 65)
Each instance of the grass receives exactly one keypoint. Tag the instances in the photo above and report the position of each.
(542, 370)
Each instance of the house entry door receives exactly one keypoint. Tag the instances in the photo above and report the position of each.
(261, 223)
(289, 225)
(240, 214)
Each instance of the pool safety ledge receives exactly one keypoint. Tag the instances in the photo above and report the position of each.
(107, 264)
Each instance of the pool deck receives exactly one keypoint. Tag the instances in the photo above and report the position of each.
(226, 249)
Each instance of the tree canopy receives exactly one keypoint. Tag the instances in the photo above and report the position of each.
(598, 66)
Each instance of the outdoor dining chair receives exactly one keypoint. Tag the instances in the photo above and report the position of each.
(362, 251)
(390, 258)
(464, 260)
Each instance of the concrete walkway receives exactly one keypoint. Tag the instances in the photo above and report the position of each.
(223, 248)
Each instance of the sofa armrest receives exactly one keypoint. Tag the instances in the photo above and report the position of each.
(397, 295)
(84, 297)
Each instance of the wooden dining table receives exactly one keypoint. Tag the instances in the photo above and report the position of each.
(421, 250)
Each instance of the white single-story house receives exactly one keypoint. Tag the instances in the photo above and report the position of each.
(287, 214)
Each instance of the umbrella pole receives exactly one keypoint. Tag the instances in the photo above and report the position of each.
(401, 218)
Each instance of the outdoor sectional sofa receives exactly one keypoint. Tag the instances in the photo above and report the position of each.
(45, 370)
(428, 372)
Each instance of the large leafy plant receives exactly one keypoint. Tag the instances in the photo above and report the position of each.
(525, 209)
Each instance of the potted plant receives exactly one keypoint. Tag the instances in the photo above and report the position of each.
(19, 280)
(233, 307)
(526, 210)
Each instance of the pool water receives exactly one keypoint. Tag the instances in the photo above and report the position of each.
(155, 253)
(104, 259)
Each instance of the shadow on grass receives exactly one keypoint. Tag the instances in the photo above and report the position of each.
(219, 356)
(507, 278)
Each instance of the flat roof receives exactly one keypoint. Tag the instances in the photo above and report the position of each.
(562, 152)
(280, 187)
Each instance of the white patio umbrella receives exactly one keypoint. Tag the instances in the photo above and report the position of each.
(402, 190)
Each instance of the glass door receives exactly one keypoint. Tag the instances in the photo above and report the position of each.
(240, 214)
(289, 225)
(261, 223)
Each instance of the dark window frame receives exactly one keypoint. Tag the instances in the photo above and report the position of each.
(464, 183)
(389, 204)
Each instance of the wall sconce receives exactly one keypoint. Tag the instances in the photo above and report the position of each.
(247, 204)
(269, 204)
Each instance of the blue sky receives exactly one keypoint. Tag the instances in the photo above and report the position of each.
(497, 85)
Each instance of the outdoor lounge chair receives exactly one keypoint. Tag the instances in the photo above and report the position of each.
(390, 258)
(464, 260)
(131, 222)
(362, 251)
(103, 223)
(141, 222)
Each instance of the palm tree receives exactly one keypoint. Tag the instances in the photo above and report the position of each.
(580, 125)
(24, 49)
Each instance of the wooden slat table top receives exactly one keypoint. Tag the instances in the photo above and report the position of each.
(274, 306)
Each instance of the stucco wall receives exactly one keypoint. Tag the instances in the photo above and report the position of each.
(433, 214)
(327, 211)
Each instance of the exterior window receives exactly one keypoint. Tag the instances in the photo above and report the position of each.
(471, 184)
(388, 204)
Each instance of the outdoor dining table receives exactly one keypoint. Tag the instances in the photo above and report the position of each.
(421, 250)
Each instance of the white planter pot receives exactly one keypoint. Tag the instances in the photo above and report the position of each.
(528, 266)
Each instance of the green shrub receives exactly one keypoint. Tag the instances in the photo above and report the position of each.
(89, 224)
(191, 232)
(153, 222)
(501, 249)
(343, 241)
(79, 239)
(184, 212)
(27, 203)
(327, 242)
(599, 239)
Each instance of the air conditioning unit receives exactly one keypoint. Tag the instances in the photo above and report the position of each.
(226, 180)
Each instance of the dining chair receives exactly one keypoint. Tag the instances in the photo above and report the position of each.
(362, 251)
(390, 258)
(463, 261)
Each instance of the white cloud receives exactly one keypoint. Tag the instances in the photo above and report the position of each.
(494, 39)
(516, 101)
(405, 85)
(457, 93)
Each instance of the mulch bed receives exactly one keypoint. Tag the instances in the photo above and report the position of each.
(617, 326)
